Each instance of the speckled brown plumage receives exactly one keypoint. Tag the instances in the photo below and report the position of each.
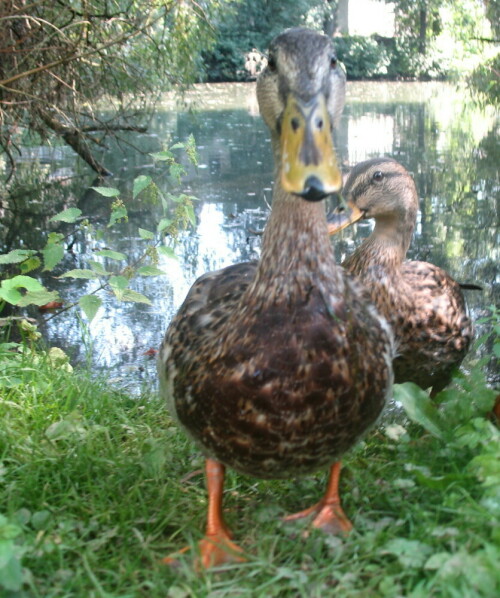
(277, 368)
(423, 304)
(270, 371)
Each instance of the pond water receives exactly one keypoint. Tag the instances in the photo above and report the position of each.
(450, 145)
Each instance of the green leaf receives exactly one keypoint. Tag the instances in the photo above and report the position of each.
(420, 408)
(107, 191)
(163, 156)
(191, 151)
(16, 256)
(176, 171)
(99, 268)
(437, 560)
(8, 531)
(90, 305)
(130, 295)
(21, 281)
(190, 214)
(38, 298)
(40, 519)
(118, 214)
(118, 282)
(32, 263)
(52, 255)
(80, 273)
(11, 575)
(410, 553)
(167, 251)
(140, 183)
(12, 296)
(146, 234)
(70, 215)
(163, 224)
(150, 271)
(112, 255)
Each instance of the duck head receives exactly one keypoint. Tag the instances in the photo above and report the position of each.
(382, 189)
(301, 95)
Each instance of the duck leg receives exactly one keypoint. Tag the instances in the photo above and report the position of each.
(216, 548)
(328, 512)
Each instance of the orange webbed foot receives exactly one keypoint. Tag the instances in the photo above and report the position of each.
(329, 518)
(214, 551)
(216, 548)
(332, 520)
(328, 514)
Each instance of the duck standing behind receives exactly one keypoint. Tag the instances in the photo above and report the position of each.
(276, 368)
(423, 304)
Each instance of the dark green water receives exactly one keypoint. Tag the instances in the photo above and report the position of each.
(451, 147)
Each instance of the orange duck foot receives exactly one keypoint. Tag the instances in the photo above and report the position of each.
(329, 515)
(329, 518)
(215, 550)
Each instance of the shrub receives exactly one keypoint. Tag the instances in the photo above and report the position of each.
(363, 57)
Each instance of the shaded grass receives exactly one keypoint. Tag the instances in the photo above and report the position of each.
(97, 487)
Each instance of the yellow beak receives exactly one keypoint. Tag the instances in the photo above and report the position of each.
(308, 161)
(340, 219)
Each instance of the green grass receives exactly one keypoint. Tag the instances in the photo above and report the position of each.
(95, 490)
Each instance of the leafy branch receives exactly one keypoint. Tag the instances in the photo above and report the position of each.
(23, 289)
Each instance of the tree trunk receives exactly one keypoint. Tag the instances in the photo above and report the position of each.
(422, 34)
(330, 18)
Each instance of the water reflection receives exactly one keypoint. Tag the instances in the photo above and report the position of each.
(450, 147)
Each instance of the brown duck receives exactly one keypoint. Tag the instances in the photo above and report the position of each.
(423, 304)
(276, 368)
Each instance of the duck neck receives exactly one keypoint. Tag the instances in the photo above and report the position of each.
(296, 252)
(386, 246)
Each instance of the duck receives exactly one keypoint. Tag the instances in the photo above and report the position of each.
(275, 368)
(423, 304)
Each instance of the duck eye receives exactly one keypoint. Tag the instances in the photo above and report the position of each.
(333, 62)
(378, 176)
(271, 63)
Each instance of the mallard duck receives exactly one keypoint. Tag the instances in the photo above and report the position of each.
(423, 304)
(276, 368)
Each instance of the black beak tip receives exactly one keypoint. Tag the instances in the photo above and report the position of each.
(313, 190)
